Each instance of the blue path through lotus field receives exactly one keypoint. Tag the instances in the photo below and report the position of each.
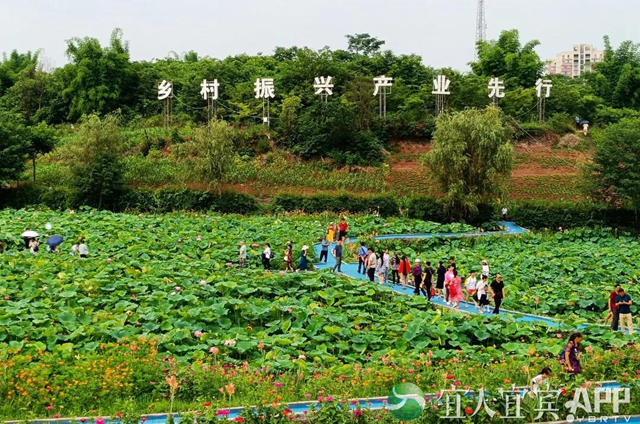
(351, 270)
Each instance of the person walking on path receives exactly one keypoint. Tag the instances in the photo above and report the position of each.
(417, 277)
(381, 268)
(331, 232)
(395, 265)
(485, 269)
(371, 263)
(585, 128)
(577, 119)
(302, 265)
(288, 257)
(428, 279)
(242, 254)
(404, 269)
(455, 290)
(504, 213)
(470, 287)
(337, 253)
(624, 302)
(448, 276)
(481, 294)
(441, 271)
(266, 257)
(386, 263)
(343, 227)
(324, 249)
(613, 308)
(571, 355)
(497, 293)
(362, 257)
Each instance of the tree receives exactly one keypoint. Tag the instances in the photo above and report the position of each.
(102, 78)
(12, 65)
(215, 151)
(507, 58)
(13, 147)
(618, 75)
(471, 158)
(95, 161)
(615, 172)
(364, 44)
(41, 139)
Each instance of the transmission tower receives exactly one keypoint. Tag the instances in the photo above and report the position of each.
(481, 25)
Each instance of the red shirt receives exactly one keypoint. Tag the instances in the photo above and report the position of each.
(343, 226)
(612, 301)
(404, 267)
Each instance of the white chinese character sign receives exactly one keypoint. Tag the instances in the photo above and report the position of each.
(496, 88)
(323, 87)
(542, 85)
(165, 89)
(381, 84)
(209, 92)
(441, 91)
(165, 93)
(209, 89)
(265, 90)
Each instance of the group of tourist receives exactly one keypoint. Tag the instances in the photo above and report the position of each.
(620, 309)
(32, 245)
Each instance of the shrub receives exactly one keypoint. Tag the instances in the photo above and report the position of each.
(176, 199)
(384, 205)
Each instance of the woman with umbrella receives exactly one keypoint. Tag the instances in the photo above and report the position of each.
(27, 236)
(54, 243)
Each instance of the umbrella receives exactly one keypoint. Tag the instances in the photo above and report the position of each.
(55, 241)
(584, 122)
(30, 234)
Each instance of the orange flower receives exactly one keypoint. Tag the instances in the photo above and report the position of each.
(231, 389)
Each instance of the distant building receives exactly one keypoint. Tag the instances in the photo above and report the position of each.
(574, 63)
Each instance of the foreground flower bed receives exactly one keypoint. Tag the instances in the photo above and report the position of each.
(134, 378)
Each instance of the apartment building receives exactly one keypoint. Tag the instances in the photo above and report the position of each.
(574, 63)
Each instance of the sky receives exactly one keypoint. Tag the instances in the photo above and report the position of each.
(441, 31)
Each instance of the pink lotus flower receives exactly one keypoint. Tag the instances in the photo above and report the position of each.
(304, 358)
(177, 288)
(255, 245)
(214, 350)
(140, 215)
(109, 260)
(559, 335)
(230, 342)
(203, 282)
(197, 334)
(282, 273)
(71, 212)
(6, 298)
(229, 263)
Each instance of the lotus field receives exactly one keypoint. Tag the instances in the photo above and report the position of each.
(159, 317)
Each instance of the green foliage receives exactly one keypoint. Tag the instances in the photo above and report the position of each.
(12, 65)
(507, 58)
(618, 75)
(95, 161)
(471, 158)
(13, 147)
(213, 146)
(616, 164)
(364, 44)
(101, 79)
(175, 199)
(383, 205)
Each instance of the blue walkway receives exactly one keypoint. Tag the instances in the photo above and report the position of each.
(351, 270)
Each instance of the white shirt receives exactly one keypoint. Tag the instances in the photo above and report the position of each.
(267, 253)
(535, 383)
(471, 283)
(385, 260)
(485, 270)
(504, 211)
(373, 260)
(481, 288)
(83, 249)
(243, 252)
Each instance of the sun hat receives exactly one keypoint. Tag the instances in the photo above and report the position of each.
(305, 247)
(417, 260)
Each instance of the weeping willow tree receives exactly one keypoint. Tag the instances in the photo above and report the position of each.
(471, 159)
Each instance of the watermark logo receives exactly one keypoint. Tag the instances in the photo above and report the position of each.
(406, 401)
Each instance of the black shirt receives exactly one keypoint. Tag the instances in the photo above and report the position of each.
(428, 274)
(497, 287)
(441, 272)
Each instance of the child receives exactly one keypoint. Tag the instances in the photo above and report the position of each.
(538, 379)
